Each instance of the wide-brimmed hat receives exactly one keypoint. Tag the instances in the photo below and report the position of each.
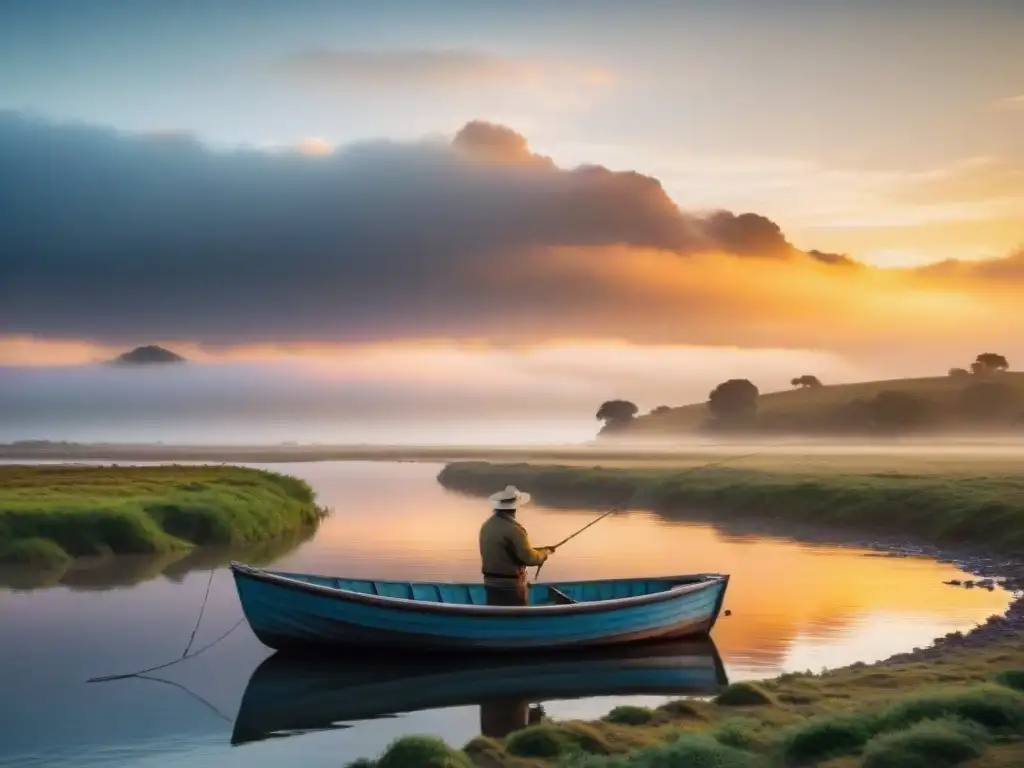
(509, 498)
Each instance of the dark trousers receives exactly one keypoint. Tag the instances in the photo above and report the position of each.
(517, 595)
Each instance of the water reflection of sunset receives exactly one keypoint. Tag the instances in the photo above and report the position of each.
(793, 605)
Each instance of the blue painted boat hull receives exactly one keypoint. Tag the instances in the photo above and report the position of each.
(289, 694)
(287, 610)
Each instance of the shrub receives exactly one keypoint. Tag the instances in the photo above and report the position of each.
(548, 740)
(36, 552)
(743, 695)
(1011, 678)
(680, 708)
(629, 715)
(418, 751)
(742, 733)
(927, 744)
(995, 707)
(825, 737)
(692, 750)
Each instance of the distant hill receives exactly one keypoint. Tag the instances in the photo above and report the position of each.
(814, 404)
(148, 355)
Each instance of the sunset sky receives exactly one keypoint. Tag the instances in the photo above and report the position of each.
(561, 199)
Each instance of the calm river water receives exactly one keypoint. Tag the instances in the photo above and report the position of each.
(794, 607)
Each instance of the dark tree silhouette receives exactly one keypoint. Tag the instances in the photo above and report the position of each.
(734, 402)
(988, 403)
(660, 410)
(806, 382)
(992, 361)
(895, 411)
(616, 414)
(959, 373)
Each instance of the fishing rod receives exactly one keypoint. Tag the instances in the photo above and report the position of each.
(628, 503)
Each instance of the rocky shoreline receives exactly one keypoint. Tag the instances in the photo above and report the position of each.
(990, 573)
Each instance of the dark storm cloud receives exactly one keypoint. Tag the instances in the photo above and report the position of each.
(124, 238)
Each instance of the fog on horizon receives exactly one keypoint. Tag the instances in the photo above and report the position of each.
(375, 235)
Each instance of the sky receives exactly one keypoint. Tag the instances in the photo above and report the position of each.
(450, 192)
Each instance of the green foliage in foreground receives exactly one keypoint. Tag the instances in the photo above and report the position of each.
(690, 749)
(970, 506)
(417, 751)
(932, 728)
(49, 514)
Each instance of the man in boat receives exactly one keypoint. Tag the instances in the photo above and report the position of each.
(505, 550)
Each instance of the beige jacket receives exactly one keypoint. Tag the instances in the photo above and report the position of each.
(505, 551)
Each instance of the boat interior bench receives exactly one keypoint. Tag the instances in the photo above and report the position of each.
(559, 593)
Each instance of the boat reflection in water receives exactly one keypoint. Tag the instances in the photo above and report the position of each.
(289, 695)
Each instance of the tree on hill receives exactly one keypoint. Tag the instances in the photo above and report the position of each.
(660, 410)
(990, 362)
(806, 382)
(959, 373)
(733, 403)
(616, 414)
(148, 355)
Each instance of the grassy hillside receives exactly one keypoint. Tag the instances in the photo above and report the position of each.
(50, 514)
(943, 390)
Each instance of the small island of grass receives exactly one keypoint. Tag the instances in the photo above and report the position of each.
(52, 514)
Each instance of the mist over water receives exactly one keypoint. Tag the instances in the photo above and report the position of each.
(269, 404)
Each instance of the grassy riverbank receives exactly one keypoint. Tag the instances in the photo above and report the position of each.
(976, 503)
(959, 702)
(51, 514)
(966, 708)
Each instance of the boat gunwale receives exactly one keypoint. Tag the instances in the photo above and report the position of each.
(700, 581)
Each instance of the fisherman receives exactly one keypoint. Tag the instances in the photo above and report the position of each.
(505, 550)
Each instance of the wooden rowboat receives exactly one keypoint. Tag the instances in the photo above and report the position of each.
(294, 610)
(289, 694)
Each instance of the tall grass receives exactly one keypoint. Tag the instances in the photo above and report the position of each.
(956, 507)
(50, 512)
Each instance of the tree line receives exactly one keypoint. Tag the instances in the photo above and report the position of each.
(982, 403)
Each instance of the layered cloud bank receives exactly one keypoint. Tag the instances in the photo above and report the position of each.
(126, 239)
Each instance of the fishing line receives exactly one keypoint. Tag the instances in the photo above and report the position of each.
(211, 706)
(195, 629)
(643, 489)
(186, 654)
